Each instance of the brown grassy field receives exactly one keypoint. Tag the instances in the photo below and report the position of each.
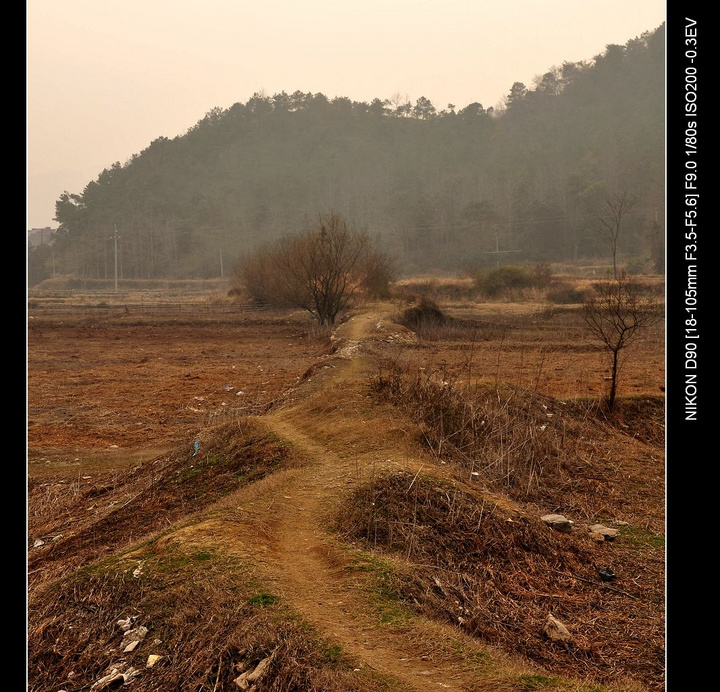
(360, 510)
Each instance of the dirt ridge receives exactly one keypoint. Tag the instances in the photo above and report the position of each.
(301, 560)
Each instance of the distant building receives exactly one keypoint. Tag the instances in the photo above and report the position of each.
(41, 236)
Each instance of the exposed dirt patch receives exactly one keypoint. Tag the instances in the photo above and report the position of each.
(542, 349)
(127, 386)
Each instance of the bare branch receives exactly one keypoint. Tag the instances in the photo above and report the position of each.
(615, 314)
(616, 207)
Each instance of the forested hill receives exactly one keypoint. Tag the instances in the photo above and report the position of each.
(437, 187)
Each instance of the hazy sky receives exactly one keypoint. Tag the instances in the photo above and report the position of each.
(107, 77)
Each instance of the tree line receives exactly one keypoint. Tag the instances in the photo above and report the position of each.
(435, 188)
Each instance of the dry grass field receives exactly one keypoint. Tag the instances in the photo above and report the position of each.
(355, 510)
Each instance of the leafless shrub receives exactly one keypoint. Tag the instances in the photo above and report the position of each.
(321, 271)
(609, 220)
(425, 314)
(429, 322)
(565, 292)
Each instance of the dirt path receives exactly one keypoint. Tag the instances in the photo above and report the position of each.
(310, 573)
(309, 570)
(294, 548)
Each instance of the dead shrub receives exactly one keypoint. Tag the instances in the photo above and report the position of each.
(511, 280)
(425, 314)
(430, 323)
(506, 435)
(323, 270)
(565, 293)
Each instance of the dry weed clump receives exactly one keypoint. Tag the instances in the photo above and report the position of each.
(498, 574)
(512, 282)
(429, 322)
(153, 495)
(507, 436)
(206, 616)
(568, 456)
(564, 292)
(645, 416)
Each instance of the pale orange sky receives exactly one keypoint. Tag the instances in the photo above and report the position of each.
(107, 77)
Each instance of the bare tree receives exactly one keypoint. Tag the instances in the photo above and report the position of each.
(616, 207)
(615, 314)
(321, 271)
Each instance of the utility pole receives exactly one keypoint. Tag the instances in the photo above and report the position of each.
(115, 238)
(497, 252)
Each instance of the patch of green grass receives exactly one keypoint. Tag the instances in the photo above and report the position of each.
(263, 599)
(551, 683)
(174, 561)
(641, 538)
(471, 657)
(276, 439)
(200, 466)
(333, 655)
(536, 682)
(383, 587)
